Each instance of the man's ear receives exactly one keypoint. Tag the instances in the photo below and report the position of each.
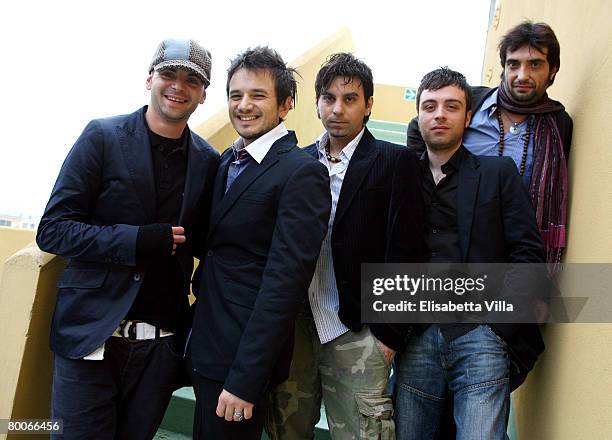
(468, 118)
(203, 98)
(552, 74)
(149, 82)
(285, 107)
(369, 105)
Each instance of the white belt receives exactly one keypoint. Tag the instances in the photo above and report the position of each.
(139, 331)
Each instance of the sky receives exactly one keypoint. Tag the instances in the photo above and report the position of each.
(67, 62)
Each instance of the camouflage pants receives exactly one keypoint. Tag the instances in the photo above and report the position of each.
(349, 373)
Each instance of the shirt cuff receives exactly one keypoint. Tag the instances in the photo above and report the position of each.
(153, 241)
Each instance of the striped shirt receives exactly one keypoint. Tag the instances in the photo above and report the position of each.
(323, 291)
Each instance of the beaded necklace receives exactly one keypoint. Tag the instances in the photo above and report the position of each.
(526, 136)
(331, 158)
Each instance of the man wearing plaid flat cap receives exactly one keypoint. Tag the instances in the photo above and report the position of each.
(130, 202)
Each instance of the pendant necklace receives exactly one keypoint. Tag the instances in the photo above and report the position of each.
(515, 127)
(527, 135)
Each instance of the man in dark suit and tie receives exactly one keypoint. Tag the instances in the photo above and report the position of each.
(338, 359)
(270, 208)
(477, 212)
(130, 201)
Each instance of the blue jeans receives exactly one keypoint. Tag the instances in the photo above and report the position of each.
(471, 369)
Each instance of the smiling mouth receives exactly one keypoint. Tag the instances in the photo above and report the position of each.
(175, 99)
(247, 118)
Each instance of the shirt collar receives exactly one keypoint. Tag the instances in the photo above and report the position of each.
(490, 104)
(457, 158)
(260, 146)
(347, 151)
(454, 162)
(157, 140)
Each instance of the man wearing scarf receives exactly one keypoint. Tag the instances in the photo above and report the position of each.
(519, 120)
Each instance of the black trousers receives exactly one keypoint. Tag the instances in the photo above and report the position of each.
(123, 396)
(208, 426)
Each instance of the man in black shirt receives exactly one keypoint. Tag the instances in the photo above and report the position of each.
(477, 211)
(130, 202)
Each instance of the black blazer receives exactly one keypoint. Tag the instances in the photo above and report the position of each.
(496, 224)
(361, 224)
(479, 95)
(104, 192)
(264, 239)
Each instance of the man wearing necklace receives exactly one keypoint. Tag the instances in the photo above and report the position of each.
(336, 358)
(477, 211)
(519, 120)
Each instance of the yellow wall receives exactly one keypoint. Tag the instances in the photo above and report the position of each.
(27, 297)
(569, 395)
(303, 118)
(390, 105)
(12, 240)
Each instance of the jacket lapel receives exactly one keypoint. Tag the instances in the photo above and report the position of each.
(467, 194)
(223, 203)
(220, 178)
(194, 179)
(364, 156)
(136, 148)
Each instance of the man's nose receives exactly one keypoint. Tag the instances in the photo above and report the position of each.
(245, 103)
(440, 113)
(523, 73)
(338, 108)
(178, 84)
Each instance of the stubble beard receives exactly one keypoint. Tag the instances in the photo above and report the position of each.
(435, 145)
(532, 98)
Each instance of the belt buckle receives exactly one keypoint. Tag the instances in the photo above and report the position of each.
(131, 331)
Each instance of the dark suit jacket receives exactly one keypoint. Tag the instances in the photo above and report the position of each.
(264, 239)
(479, 95)
(496, 224)
(361, 223)
(104, 192)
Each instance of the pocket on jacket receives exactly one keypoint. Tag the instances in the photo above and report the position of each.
(375, 416)
(255, 196)
(79, 278)
(240, 295)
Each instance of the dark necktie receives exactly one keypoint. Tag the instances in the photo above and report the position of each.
(235, 168)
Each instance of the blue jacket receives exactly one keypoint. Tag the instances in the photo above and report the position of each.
(105, 191)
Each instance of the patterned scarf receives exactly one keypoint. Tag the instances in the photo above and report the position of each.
(548, 185)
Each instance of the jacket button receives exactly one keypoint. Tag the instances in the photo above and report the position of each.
(209, 253)
(137, 277)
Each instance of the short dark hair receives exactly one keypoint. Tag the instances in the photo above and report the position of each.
(263, 58)
(537, 35)
(443, 77)
(344, 64)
